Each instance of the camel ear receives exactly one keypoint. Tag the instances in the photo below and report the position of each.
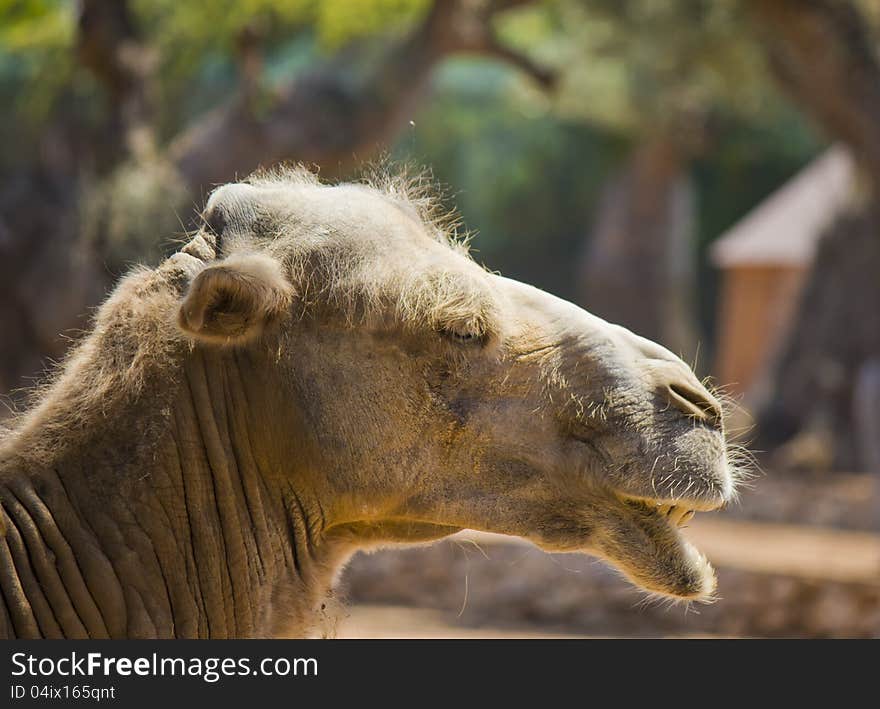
(234, 300)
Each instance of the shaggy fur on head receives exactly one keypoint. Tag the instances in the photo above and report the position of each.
(132, 339)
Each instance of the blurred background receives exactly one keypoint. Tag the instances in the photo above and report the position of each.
(705, 172)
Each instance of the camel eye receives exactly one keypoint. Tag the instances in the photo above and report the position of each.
(464, 334)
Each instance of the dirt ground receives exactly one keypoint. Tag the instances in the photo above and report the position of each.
(374, 621)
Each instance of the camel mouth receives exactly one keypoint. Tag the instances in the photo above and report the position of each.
(677, 510)
(646, 544)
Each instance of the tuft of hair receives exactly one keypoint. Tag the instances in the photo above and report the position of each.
(413, 188)
(284, 173)
(417, 188)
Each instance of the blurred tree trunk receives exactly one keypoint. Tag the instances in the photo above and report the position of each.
(638, 268)
(814, 410)
(64, 240)
(109, 46)
(823, 56)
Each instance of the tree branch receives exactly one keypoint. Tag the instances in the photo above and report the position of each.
(104, 28)
(545, 77)
(466, 28)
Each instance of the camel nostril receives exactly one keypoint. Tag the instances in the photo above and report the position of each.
(696, 403)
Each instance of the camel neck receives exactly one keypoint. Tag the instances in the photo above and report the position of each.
(184, 532)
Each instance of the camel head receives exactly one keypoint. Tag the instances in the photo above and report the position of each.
(427, 395)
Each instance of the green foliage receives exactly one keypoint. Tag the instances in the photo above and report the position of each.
(197, 26)
(341, 21)
(185, 33)
(36, 25)
(194, 41)
(36, 38)
(623, 64)
(629, 64)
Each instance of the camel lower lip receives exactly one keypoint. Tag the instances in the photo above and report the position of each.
(671, 565)
(672, 515)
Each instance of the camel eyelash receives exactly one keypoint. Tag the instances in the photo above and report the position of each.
(464, 337)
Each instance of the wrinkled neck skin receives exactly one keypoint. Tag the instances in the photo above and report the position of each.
(191, 525)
